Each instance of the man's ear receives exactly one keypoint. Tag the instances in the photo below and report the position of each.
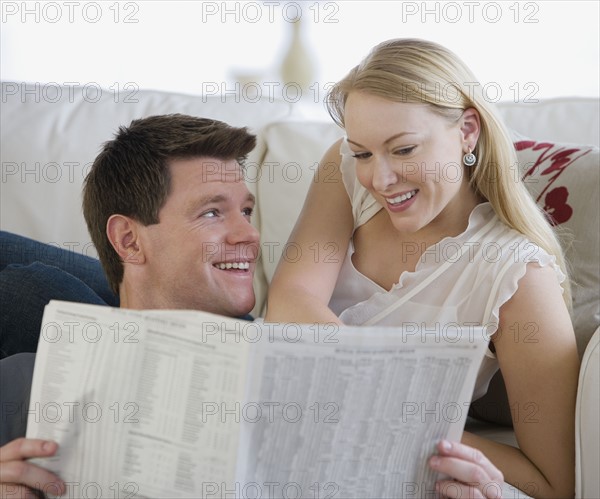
(470, 127)
(123, 234)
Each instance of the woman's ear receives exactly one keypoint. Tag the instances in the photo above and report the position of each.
(470, 127)
(123, 234)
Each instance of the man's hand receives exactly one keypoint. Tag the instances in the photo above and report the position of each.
(471, 473)
(18, 477)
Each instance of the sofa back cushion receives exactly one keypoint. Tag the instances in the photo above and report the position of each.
(51, 135)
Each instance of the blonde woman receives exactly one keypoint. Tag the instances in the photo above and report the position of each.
(424, 201)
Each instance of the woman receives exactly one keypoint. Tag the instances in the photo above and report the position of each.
(424, 201)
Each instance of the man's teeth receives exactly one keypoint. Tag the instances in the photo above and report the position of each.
(233, 265)
(402, 198)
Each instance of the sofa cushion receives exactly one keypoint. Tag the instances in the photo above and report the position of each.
(565, 119)
(294, 150)
(51, 134)
(587, 422)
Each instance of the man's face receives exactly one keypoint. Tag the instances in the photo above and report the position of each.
(202, 253)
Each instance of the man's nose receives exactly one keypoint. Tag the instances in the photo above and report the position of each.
(242, 231)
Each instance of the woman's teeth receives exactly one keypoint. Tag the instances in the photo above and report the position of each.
(402, 198)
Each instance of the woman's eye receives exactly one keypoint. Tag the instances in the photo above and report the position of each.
(210, 213)
(362, 155)
(248, 212)
(405, 150)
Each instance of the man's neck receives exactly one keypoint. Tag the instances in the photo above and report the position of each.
(134, 299)
(130, 297)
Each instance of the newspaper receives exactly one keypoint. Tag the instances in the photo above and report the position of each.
(190, 404)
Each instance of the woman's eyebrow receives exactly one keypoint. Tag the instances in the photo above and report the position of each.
(387, 140)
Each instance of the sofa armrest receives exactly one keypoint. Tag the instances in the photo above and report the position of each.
(587, 422)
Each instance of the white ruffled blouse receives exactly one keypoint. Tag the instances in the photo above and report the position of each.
(460, 280)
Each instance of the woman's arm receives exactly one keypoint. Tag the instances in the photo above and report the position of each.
(536, 350)
(300, 290)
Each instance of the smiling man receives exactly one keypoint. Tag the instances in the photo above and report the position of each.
(201, 254)
(169, 212)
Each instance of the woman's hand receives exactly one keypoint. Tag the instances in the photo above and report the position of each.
(471, 473)
(18, 477)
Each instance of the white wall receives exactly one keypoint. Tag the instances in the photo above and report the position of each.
(520, 50)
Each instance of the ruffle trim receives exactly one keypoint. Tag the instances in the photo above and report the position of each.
(481, 215)
(510, 284)
(382, 298)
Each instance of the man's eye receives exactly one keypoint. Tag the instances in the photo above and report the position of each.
(210, 214)
(248, 211)
(362, 155)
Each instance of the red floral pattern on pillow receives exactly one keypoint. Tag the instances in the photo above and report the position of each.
(556, 206)
(550, 165)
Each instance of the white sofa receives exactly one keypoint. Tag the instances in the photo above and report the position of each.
(49, 136)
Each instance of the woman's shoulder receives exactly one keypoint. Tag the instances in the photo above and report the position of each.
(335, 151)
(515, 245)
(494, 252)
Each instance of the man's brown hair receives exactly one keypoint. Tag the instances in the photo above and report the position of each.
(131, 174)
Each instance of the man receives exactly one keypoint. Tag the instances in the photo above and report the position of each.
(169, 214)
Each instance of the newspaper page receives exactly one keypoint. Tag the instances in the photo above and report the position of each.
(188, 404)
(122, 391)
(353, 412)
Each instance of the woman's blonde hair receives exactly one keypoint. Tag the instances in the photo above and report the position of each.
(419, 71)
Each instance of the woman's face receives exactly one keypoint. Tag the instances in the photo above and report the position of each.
(410, 159)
